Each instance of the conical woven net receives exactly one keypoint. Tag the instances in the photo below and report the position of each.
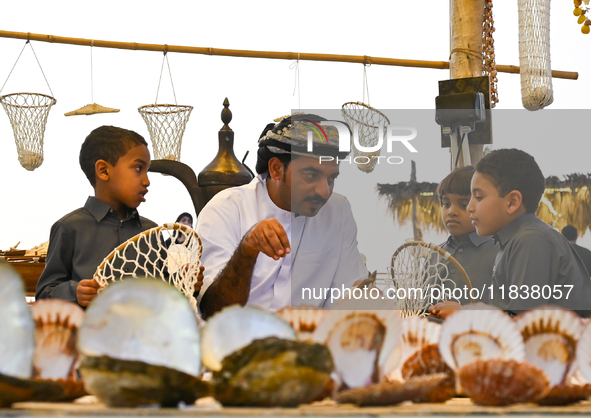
(28, 115)
(534, 54)
(148, 254)
(166, 125)
(366, 121)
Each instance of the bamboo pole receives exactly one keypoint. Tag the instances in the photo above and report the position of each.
(303, 56)
(466, 18)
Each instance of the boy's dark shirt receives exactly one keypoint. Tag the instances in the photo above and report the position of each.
(79, 242)
(585, 255)
(534, 254)
(477, 255)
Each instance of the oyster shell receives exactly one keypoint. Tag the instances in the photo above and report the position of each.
(584, 353)
(477, 334)
(550, 337)
(363, 344)
(274, 372)
(432, 388)
(140, 339)
(234, 328)
(426, 361)
(56, 329)
(17, 331)
(304, 319)
(565, 395)
(502, 382)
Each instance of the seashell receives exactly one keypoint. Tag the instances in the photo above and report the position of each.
(565, 395)
(432, 388)
(274, 372)
(502, 382)
(417, 333)
(426, 361)
(139, 343)
(13, 389)
(363, 344)
(475, 334)
(303, 318)
(583, 353)
(56, 329)
(550, 337)
(234, 328)
(17, 330)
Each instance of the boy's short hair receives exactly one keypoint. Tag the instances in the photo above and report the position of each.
(570, 233)
(107, 143)
(456, 182)
(513, 169)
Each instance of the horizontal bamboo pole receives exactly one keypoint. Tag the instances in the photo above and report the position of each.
(361, 59)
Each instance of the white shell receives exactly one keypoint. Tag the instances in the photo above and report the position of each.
(56, 330)
(584, 353)
(144, 320)
(304, 319)
(236, 327)
(550, 336)
(479, 334)
(17, 329)
(348, 335)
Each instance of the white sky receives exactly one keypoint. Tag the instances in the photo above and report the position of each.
(258, 89)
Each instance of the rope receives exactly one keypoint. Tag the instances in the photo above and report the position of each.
(365, 84)
(467, 51)
(19, 56)
(91, 76)
(165, 57)
(31, 45)
(296, 66)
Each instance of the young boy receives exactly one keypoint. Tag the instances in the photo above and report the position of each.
(536, 265)
(475, 253)
(116, 162)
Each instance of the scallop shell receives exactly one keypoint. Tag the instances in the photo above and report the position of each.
(550, 337)
(502, 382)
(17, 329)
(234, 328)
(363, 344)
(304, 319)
(432, 388)
(426, 361)
(565, 395)
(56, 329)
(142, 320)
(584, 353)
(477, 334)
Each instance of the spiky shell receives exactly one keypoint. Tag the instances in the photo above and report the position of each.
(426, 361)
(364, 344)
(551, 336)
(502, 382)
(304, 319)
(56, 329)
(479, 334)
(584, 353)
(236, 327)
(124, 383)
(432, 388)
(17, 329)
(142, 320)
(274, 372)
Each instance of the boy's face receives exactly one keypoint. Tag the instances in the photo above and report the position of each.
(487, 209)
(454, 214)
(128, 178)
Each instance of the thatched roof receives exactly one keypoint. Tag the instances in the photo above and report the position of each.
(569, 199)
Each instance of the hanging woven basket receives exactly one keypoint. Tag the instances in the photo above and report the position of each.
(28, 116)
(166, 124)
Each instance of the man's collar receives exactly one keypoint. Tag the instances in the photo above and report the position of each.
(100, 210)
(509, 230)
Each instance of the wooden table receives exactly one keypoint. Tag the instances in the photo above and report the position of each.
(29, 268)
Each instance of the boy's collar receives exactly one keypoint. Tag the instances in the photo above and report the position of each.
(473, 237)
(100, 209)
(509, 230)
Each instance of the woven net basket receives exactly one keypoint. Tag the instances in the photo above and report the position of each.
(534, 54)
(365, 121)
(28, 116)
(166, 125)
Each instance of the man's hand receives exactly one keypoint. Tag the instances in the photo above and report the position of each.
(444, 309)
(267, 237)
(199, 280)
(86, 291)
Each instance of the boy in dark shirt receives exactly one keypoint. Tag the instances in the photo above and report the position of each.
(116, 163)
(536, 265)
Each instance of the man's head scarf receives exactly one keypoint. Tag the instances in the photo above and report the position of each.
(290, 136)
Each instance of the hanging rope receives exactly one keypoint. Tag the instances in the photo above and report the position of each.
(365, 84)
(296, 66)
(165, 57)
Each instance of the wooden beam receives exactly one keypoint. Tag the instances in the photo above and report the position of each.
(303, 56)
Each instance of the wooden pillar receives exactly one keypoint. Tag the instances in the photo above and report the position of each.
(466, 18)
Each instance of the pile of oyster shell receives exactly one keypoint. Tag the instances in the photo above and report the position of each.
(140, 343)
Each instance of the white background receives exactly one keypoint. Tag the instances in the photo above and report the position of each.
(259, 90)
